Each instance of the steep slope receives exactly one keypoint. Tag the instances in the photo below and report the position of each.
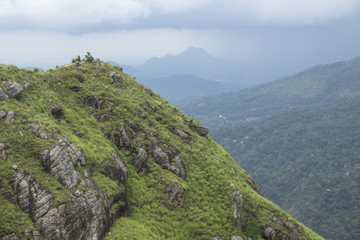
(307, 162)
(89, 153)
(320, 86)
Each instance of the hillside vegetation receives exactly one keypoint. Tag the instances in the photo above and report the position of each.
(86, 152)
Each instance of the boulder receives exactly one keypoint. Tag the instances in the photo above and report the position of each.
(160, 157)
(9, 117)
(269, 233)
(125, 142)
(14, 89)
(26, 83)
(103, 117)
(10, 237)
(175, 193)
(92, 101)
(140, 159)
(148, 91)
(80, 77)
(201, 130)
(178, 168)
(2, 114)
(186, 137)
(56, 110)
(3, 95)
(236, 238)
(117, 172)
(216, 238)
(32, 198)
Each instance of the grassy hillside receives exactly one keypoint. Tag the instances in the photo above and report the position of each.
(320, 86)
(91, 112)
(307, 161)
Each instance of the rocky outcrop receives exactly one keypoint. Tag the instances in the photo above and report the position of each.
(32, 198)
(140, 159)
(3, 95)
(14, 89)
(9, 117)
(2, 114)
(175, 193)
(60, 161)
(117, 172)
(37, 131)
(178, 168)
(160, 157)
(115, 79)
(201, 130)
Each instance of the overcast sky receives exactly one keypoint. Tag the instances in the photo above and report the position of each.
(293, 33)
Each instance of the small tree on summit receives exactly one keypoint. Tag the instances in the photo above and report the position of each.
(89, 58)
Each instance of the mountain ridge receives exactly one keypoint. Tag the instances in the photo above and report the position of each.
(89, 153)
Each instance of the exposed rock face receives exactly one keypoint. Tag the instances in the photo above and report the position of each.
(160, 157)
(3, 95)
(2, 114)
(37, 131)
(9, 237)
(92, 101)
(115, 79)
(201, 130)
(9, 117)
(81, 218)
(32, 198)
(178, 168)
(175, 193)
(60, 161)
(14, 89)
(118, 172)
(140, 159)
(88, 215)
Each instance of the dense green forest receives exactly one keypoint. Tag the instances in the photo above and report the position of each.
(308, 162)
(319, 86)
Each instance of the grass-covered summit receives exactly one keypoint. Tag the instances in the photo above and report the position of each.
(86, 152)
